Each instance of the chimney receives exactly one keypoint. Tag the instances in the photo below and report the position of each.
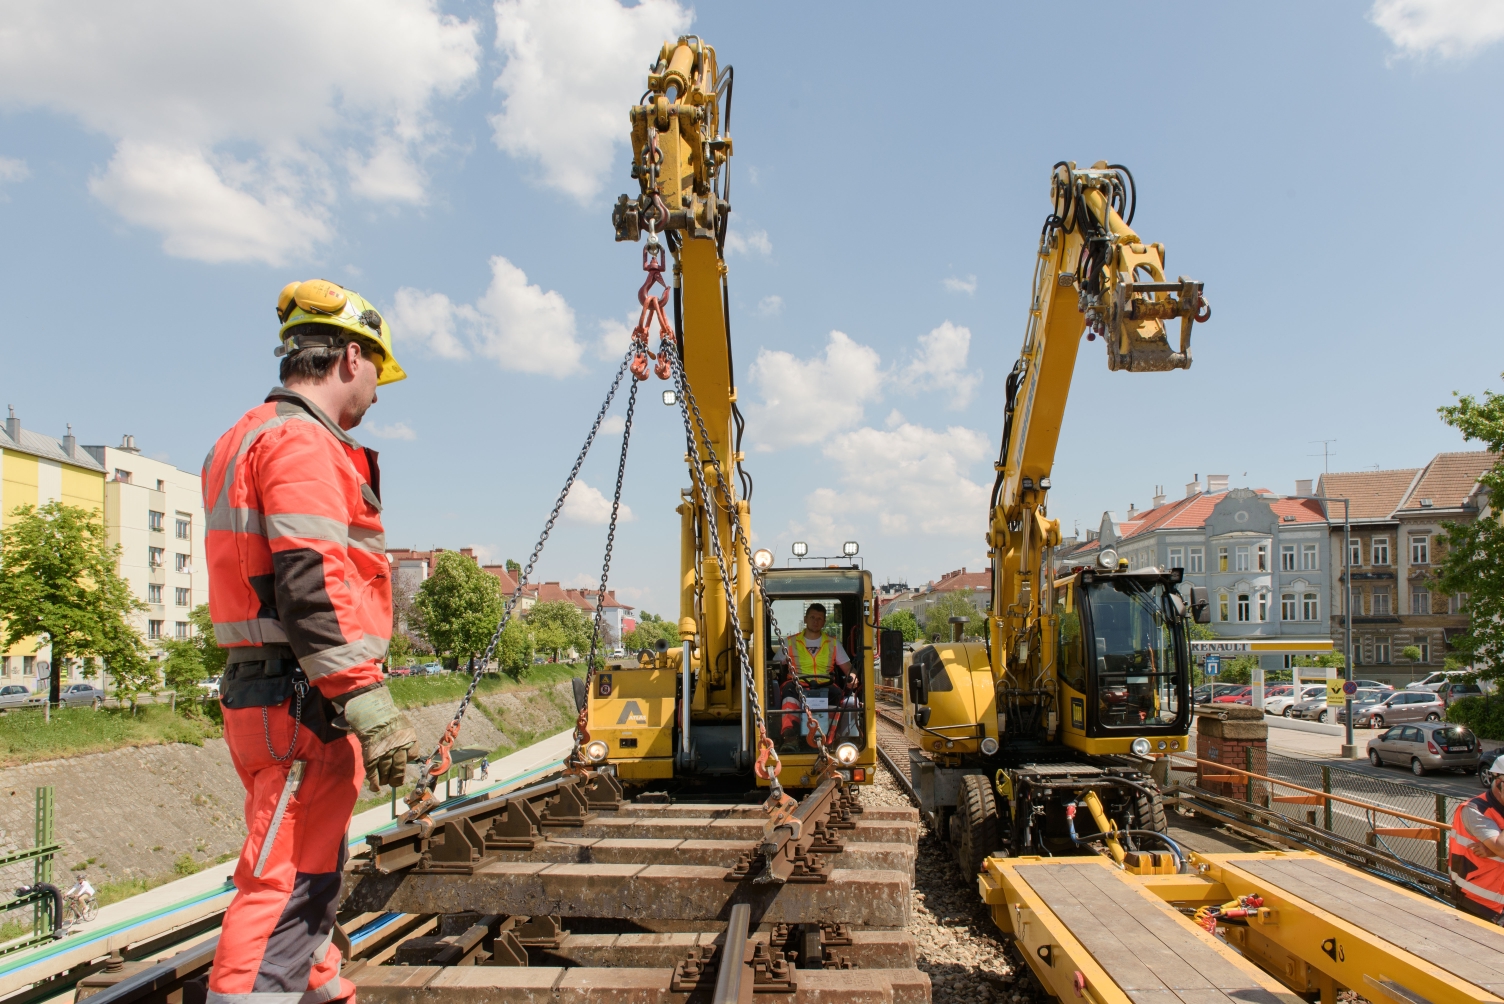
(1303, 486)
(1216, 483)
(128, 444)
(1159, 496)
(13, 425)
(70, 443)
(1132, 512)
(1193, 487)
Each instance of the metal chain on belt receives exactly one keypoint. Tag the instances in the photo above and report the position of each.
(421, 799)
(298, 690)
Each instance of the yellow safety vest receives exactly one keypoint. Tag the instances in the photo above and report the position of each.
(806, 664)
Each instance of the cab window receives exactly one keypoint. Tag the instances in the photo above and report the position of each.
(1072, 656)
(1133, 628)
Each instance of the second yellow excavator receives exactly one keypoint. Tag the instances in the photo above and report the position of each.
(1083, 679)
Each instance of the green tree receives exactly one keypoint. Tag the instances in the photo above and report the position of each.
(645, 636)
(458, 607)
(513, 568)
(192, 659)
(59, 584)
(1473, 558)
(903, 620)
(514, 653)
(958, 603)
(558, 627)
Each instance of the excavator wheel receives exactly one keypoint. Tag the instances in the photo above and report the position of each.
(1150, 811)
(977, 823)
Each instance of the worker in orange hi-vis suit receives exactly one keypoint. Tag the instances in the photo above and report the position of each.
(300, 594)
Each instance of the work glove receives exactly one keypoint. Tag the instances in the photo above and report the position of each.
(386, 736)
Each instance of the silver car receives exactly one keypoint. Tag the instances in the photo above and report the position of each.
(1401, 706)
(14, 695)
(81, 695)
(1363, 702)
(1426, 746)
(1312, 709)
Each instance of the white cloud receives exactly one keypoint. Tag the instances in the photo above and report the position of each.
(613, 338)
(940, 365)
(587, 505)
(572, 69)
(397, 430)
(517, 324)
(770, 306)
(920, 477)
(180, 85)
(13, 169)
(614, 425)
(1446, 28)
(804, 401)
(753, 242)
(960, 284)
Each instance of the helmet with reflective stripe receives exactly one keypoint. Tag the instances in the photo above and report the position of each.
(319, 301)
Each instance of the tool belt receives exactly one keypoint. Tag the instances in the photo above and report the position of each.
(260, 676)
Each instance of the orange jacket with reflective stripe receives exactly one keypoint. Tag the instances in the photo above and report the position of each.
(1480, 877)
(296, 551)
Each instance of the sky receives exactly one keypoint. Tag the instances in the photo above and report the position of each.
(1325, 169)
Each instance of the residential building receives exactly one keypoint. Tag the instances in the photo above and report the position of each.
(1396, 519)
(36, 469)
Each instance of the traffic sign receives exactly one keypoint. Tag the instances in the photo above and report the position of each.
(1213, 665)
(1350, 688)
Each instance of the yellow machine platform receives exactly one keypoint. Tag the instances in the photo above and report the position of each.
(1092, 931)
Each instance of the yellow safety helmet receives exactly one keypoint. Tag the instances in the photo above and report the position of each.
(319, 301)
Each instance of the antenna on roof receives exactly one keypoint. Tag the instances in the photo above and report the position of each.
(1326, 453)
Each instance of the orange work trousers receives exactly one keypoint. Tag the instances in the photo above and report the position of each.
(276, 944)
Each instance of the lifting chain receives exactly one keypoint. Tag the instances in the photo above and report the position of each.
(421, 800)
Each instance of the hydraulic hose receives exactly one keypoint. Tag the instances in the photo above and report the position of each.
(51, 893)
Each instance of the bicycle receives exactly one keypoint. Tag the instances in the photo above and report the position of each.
(79, 904)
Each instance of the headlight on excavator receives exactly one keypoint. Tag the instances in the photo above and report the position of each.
(846, 754)
(762, 559)
(989, 746)
(596, 750)
(1108, 559)
(1140, 747)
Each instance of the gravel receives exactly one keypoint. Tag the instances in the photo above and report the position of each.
(959, 946)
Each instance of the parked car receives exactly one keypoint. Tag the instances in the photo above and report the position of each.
(1281, 703)
(1312, 709)
(1486, 760)
(1241, 695)
(1363, 703)
(14, 695)
(1433, 681)
(1401, 706)
(81, 695)
(432, 669)
(1208, 692)
(400, 671)
(1426, 746)
(1456, 690)
(210, 687)
(1373, 685)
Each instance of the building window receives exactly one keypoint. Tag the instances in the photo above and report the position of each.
(184, 529)
(154, 519)
(154, 629)
(1358, 602)
(154, 558)
(1198, 560)
(1425, 651)
(1287, 557)
(1358, 659)
(1310, 607)
(1355, 553)
(1263, 606)
(153, 593)
(1381, 601)
(1263, 557)
(1381, 550)
(1420, 601)
(1420, 549)
(184, 562)
(1177, 557)
(180, 629)
(124, 477)
(1221, 606)
(1381, 651)
(1287, 608)
(1221, 559)
(4, 665)
(28, 665)
(1243, 606)
(183, 596)
(1308, 559)
(1240, 558)
(1455, 601)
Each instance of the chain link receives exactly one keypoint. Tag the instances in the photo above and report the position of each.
(427, 780)
(298, 690)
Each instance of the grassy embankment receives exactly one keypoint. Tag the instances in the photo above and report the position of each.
(26, 736)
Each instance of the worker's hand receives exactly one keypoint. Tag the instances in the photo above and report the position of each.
(386, 736)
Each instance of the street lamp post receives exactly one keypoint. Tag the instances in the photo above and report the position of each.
(1349, 748)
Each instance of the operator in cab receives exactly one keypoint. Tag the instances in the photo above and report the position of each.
(1476, 860)
(817, 662)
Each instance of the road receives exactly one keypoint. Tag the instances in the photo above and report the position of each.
(1324, 749)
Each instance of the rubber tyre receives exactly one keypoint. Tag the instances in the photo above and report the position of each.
(1150, 814)
(1373, 758)
(1321, 718)
(1287, 712)
(91, 912)
(1376, 722)
(977, 820)
(1433, 717)
(1416, 768)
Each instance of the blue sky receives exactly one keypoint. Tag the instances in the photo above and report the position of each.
(1326, 169)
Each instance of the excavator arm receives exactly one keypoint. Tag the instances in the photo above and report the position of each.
(1095, 276)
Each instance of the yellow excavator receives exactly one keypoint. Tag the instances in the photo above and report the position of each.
(1083, 679)
(718, 710)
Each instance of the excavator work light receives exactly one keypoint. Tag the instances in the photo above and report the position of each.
(596, 750)
(800, 549)
(1140, 747)
(850, 548)
(762, 559)
(989, 746)
(670, 398)
(846, 754)
(1108, 558)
